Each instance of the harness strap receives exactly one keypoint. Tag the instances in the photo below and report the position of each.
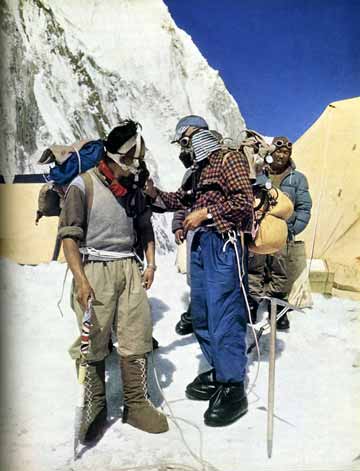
(89, 192)
(79, 159)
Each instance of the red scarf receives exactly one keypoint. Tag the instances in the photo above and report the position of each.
(113, 184)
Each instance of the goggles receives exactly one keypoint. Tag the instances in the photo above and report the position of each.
(280, 143)
(130, 154)
(128, 160)
(184, 141)
(134, 168)
(185, 135)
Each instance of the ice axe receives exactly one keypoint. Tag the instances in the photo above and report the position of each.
(264, 325)
(274, 302)
(84, 348)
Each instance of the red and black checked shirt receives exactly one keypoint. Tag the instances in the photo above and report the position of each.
(229, 197)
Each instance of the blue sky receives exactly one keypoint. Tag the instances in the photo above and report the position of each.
(283, 61)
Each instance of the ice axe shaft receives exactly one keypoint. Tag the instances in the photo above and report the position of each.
(271, 385)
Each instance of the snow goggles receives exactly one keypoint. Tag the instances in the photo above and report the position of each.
(281, 143)
(184, 141)
(134, 168)
(188, 134)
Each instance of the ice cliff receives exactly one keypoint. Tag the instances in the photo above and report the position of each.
(72, 69)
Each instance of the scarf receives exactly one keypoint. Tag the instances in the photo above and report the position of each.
(111, 181)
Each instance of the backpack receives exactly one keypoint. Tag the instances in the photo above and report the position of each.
(271, 206)
(69, 161)
(256, 150)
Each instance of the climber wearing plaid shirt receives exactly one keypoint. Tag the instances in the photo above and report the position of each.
(223, 189)
(219, 193)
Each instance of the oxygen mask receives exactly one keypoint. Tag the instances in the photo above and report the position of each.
(186, 158)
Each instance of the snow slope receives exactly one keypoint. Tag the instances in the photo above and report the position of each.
(317, 387)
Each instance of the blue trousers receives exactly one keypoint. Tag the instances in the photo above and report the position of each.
(218, 308)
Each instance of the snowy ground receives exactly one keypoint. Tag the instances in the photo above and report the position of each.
(317, 423)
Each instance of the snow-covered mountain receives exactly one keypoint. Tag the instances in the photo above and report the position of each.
(72, 69)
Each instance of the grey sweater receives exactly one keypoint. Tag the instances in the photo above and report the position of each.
(105, 226)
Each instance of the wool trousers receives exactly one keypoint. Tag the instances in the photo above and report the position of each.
(121, 304)
(218, 306)
(274, 275)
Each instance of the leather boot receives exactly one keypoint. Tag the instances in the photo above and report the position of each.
(138, 410)
(95, 411)
(203, 386)
(184, 326)
(227, 405)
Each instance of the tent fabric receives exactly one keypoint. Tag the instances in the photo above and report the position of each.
(20, 239)
(329, 155)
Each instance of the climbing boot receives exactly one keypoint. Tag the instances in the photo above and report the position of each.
(203, 387)
(94, 413)
(227, 405)
(184, 326)
(138, 410)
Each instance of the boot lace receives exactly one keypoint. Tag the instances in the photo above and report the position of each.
(88, 397)
(143, 372)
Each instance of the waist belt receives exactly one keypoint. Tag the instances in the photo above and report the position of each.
(105, 254)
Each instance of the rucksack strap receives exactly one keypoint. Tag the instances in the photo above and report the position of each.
(89, 191)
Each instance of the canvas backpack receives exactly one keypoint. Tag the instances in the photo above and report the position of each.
(271, 210)
(256, 150)
(68, 162)
(272, 207)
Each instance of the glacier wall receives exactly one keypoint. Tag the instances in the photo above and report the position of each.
(72, 69)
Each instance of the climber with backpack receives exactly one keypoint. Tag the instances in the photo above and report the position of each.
(271, 207)
(184, 325)
(219, 195)
(269, 272)
(97, 229)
